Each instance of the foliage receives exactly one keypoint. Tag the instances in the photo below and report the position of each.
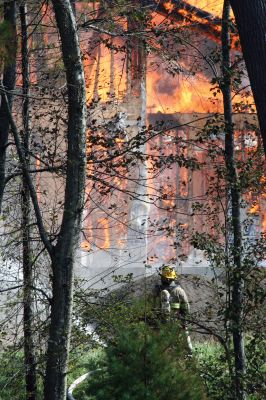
(82, 362)
(12, 371)
(256, 367)
(214, 371)
(213, 368)
(11, 375)
(12, 384)
(112, 155)
(146, 363)
(108, 310)
(81, 358)
(7, 47)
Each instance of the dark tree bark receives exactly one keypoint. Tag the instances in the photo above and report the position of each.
(9, 80)
(237, 303)
(64, 251)
(28, 279)
(251, 23)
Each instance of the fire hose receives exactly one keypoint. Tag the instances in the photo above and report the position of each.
(77, 382)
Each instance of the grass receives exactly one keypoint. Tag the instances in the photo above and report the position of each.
(79, 365)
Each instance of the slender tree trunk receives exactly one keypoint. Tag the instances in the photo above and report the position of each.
(73, 5)
(136, 107)
(29, 345)
(251, 23)
(63, 256)
(237, 273)
(63, 253)
(9, 80)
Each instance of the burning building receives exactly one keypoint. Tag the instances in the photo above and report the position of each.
(152, 92)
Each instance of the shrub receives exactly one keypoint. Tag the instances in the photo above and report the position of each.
(146, 363)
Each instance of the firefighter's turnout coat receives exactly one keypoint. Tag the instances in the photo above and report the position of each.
(171, 301)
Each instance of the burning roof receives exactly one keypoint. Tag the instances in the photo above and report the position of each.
(181, 10)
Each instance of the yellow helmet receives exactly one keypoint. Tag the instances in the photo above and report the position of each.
(168, 272)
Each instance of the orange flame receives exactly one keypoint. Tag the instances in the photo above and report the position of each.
(264, 223)
(85, 245)
(198, 19)
(186, 95)
(103, 226)
(168, 94)
(169, 6)
(254, 209)
(263, 183)
(99, 234)
(183, 186)
(213, 7)
(105, 78)
(164, 93)
(168, 197)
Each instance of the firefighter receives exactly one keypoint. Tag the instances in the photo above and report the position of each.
(173, 299)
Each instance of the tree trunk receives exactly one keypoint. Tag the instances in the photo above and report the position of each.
(136, 108)
(9, 81)
(73, 5)
(28, 313)
(237, 273)
(64, 252)
(251, 22)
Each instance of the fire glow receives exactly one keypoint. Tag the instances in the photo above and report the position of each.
(264, 223)
(107, 82)
(213, 7)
